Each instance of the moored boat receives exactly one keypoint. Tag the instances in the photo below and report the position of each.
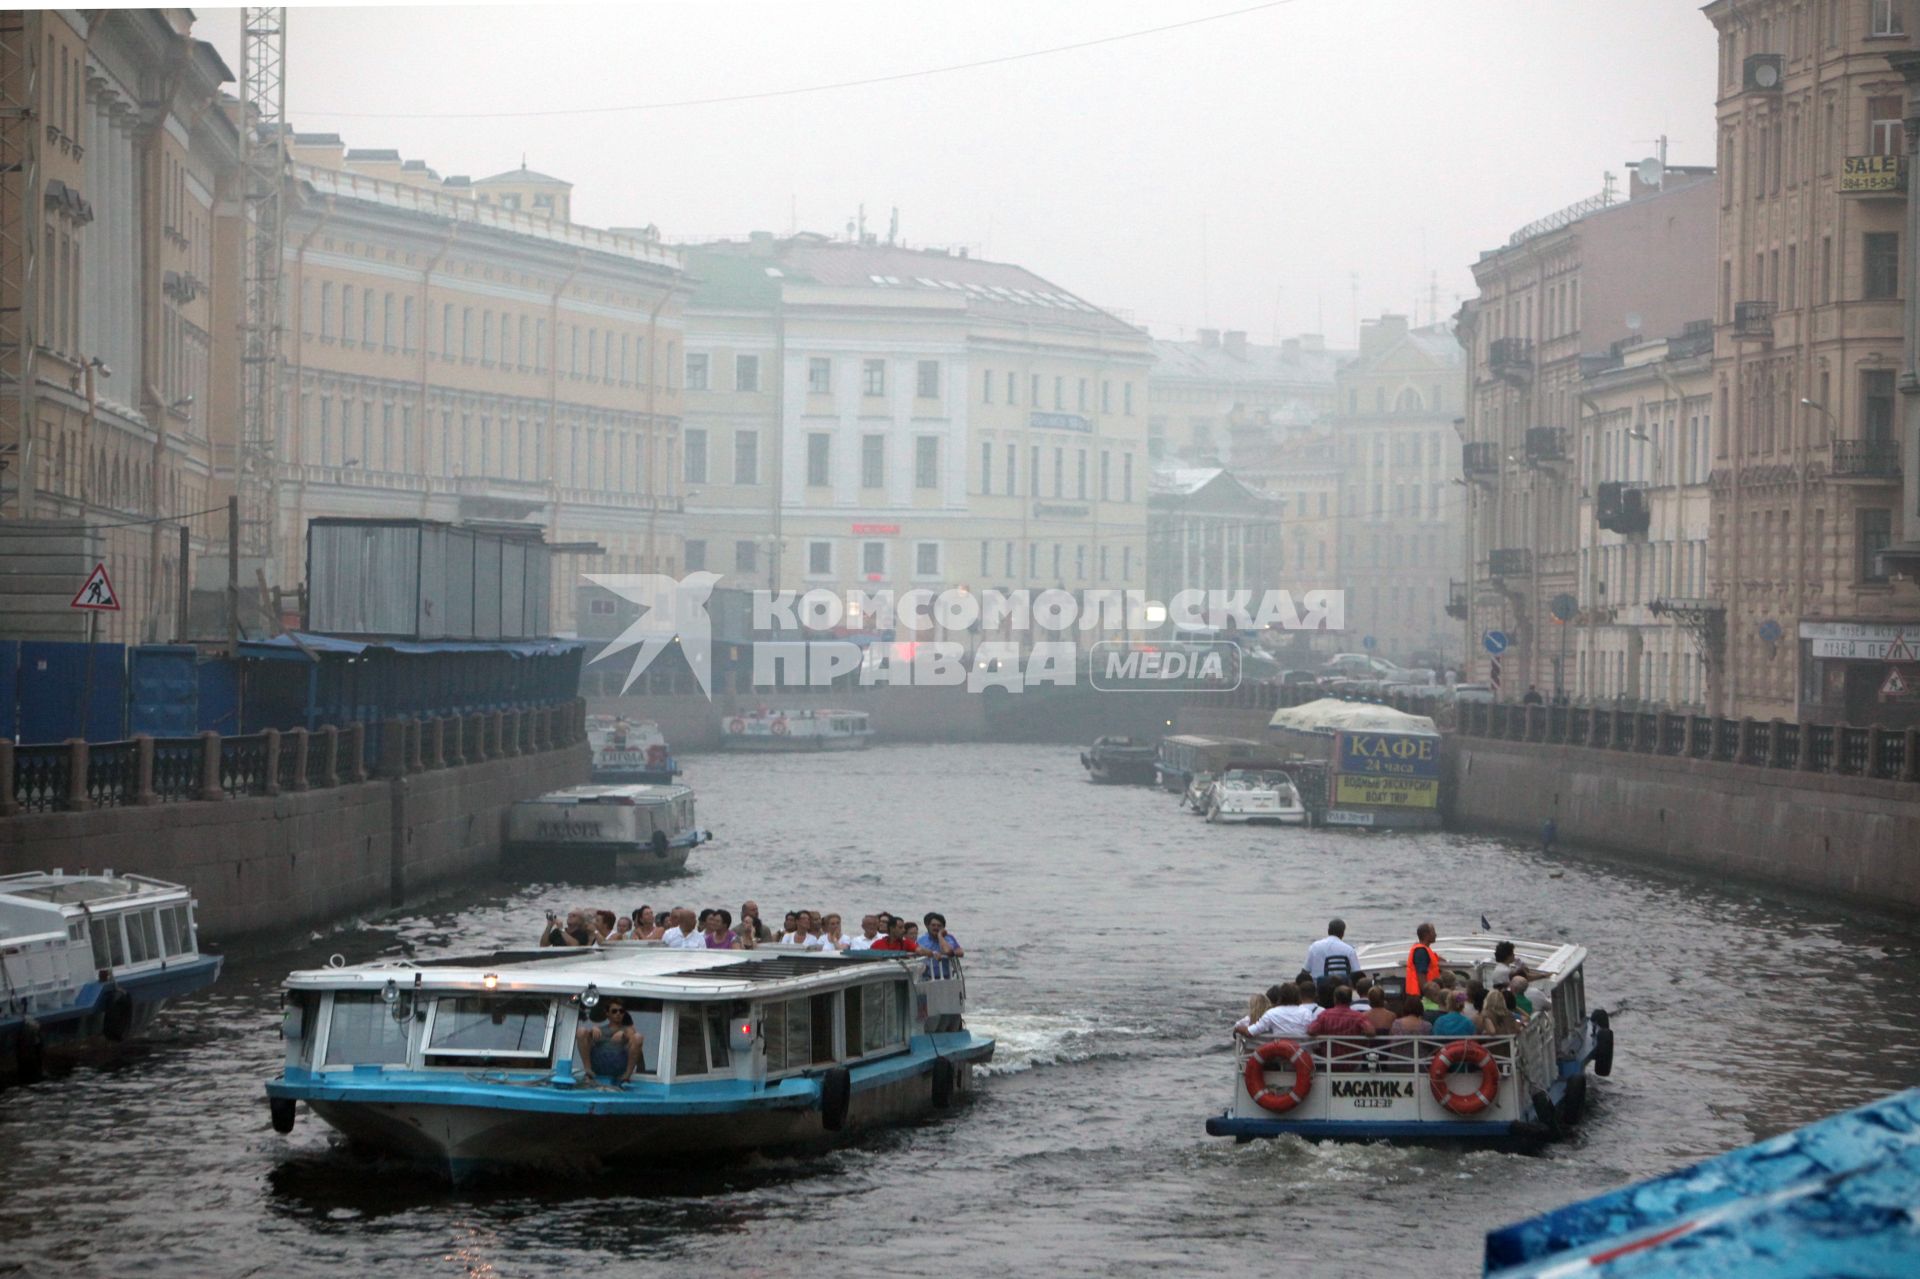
(630, 751)
(796, 730)
(1510, 1091)
(1254, 794)
(88, 958)
(603, 832)
(477, 1063)
(1184, 756)
(1120, 761)
(1382, 766)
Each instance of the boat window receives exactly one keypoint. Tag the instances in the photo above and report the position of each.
(102, 955)
(822, 1015)
(855, 1005)
(169, 931)
(490, 1026)
(183, 920)
(137, 950)
(882, 1018)
(690, 1051)
(116, 941)
(799, 1033)
(76, 929)
(362, 1031)
(719, 1035)
(143, 922)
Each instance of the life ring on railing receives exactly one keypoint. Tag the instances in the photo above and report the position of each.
(1271, 1054)
(736, 725)
(1464, 1054)
(656, 755)
(780, 727)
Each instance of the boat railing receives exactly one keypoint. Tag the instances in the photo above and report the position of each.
(1384, 1054)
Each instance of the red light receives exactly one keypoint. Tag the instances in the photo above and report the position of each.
(746, 1028)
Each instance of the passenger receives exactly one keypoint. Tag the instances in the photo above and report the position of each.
(1477, 996)
(1361, 1003)
(720, 934)
(1423, 961)
(913, 934)
(646, 927)
(554, 933)
(1433, 999)
(622, 929)
(606, 921)
(611, 1050)
(831, 934)
(674, 930)
(1455, 1020)
(1341, 1019)
(896, 938)
(1379, 1015)
(869, 933)
(1257, 1006)
(1331, 946)
(1506, 966)
(1517, 996)
(1324, 991)
(750, 923)
(1292, 1012)
(1496, 1018)
(938, 941)
(1412, 1019)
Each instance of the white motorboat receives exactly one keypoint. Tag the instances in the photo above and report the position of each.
(603, 832)
(796, 730)
(1254, 795)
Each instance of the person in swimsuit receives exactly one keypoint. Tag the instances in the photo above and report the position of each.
(611, 1049)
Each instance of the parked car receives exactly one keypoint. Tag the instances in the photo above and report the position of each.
(1472, 693)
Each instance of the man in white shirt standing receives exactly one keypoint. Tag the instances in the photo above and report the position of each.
(675, 932)
(1289, 1017)
(869, 933)
(1333, 944)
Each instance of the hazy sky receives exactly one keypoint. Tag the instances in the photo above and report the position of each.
(1234, 174)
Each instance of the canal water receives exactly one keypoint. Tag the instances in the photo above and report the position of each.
(1112, 940)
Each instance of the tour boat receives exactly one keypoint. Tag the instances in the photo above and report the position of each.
(812, 730)
(474, 1063)
(603, 832)
(1182, 756)
(1510, 1091)
(1119, 760)
(1255, 795)
(90, 957)
(629, 751)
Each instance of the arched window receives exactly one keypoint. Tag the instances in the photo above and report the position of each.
(1409, 402)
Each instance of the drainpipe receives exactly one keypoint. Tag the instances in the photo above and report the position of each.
(426, 362)
(553, 383)
(653, 433)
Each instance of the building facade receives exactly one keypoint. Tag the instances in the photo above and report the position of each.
(1807, 488)
(1208, 531)
(120, 158)
(1567, 286)
(1400, 500)
(460, 351)
(1206, 393)
(863, 415)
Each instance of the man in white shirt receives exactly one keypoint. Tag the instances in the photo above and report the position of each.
(1333, 944)
(692, 932)
(675, 932)
(869, 933)
(1289, 1017)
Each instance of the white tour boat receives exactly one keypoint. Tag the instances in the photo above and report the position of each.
(809, 730)
(627, 750)
(603, 832)
(1513, 1091)
(476, 1063)
(90, 957)
(1254, 795)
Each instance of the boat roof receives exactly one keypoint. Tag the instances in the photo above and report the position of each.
(614, 792)
(57, 888)
(1331, 715)
(1556, 958)
(631, 968)
(1196, 739)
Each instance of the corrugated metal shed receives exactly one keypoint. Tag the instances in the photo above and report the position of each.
(424, 580)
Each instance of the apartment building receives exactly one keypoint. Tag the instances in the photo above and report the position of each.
(1205, 393)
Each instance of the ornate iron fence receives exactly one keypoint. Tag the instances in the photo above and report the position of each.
(42, 777)
(113, 773)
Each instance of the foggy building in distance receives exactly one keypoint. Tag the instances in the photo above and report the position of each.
(866, 415)
(110, 344)
(1642, 629)
(1297, 465)
(1203, 393)
(1400, 508)
(1807, 489)
(1208, 531)
(463, 352)
(1569, 285)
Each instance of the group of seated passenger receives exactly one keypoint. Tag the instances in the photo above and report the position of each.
(714, 928)
(1353, 1006)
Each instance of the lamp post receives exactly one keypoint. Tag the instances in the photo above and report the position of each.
(1665, 586)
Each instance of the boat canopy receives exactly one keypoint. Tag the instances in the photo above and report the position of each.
(1330, 715)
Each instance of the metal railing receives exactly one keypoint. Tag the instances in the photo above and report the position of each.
(1866, 459)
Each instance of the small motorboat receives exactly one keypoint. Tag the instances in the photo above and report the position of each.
(1255, 795)
(603, 833)
(1120, 761)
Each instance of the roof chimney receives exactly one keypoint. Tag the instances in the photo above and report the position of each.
(1236, 341)
(760, 243)
(1210, 339)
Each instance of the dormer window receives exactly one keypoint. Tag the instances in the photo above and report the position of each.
(543, 202)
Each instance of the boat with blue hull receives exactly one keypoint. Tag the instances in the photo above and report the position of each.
(480, 1064)
(1504, 1091)
(90, 959)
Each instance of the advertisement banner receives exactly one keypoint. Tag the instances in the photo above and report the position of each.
(1387, 755)
(1387, 792)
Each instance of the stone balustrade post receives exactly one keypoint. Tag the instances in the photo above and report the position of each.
(1776, 729)
(1876, 754)
(1909, 773)
(270, 784)
(1805, 763)
(416, 729)
(477, 738)
(330, 754)
(1528, 721)
(1690, 735)
(435, 745)
(497, 729)
(1743, 744)
(356, 747)
(455, 730)
(77, 761)
(142, 770)
(1662, 722)
(301, 743)
(210, 766)
(8, 804)
(393, 748)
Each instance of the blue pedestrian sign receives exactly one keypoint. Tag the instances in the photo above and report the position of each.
(1366, 641)
(1495, 642)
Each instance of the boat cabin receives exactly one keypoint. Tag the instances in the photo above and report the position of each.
(1183, 756)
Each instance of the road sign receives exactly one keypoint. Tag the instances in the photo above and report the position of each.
(1894, 687)
(1366, 641)
(1495, 642)
(1563, 607)
(1900, 650)
(1770, 631)
(97, 593)
(1493, 675)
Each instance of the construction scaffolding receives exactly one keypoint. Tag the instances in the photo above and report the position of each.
(263, 161)
(19, 242)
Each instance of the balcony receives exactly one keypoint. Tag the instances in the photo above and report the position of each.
(1753, 320)
(1510, 358)
(1456, 599)
(1480, 458)
(1622, 507)
(1546, 444)
(1866, 460)
(1512, 561)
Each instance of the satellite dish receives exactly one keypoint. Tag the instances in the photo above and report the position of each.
(1652, 173)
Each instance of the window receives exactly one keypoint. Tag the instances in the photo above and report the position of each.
(1059, 472)
(1826, 269)
(986, 387)
(1106, 477)
(1013, 389)
(1059, 391)
(487, 1027)
(1033, 472)
(986, 472)
(819, 375)
(1885, 134)
(746, 457)
(873, 461)
(819, 459)
(1887, 19)
(1081, 401)
(1033, 397)
(1080, 561)
(1080, 475)
(363, 1032)
(745, 557)
(882, 1019)
(696, 554)
(1126, 398)
(926, 462)
(926, 559)
(746, 373)
(1057, 548)
(1013, 456)
(1033, 559)
(1880, 264)
(696, 371)
(695, 447)
(1126, 478)
(1106, 396)
(1876, 405)
(926, 382)
(820, 559)
(1876, 531)
(873, 377)
(873, 559)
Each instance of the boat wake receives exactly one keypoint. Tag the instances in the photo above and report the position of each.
(1023, 1041)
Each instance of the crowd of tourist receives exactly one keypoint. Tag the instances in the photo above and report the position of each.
(716, 928)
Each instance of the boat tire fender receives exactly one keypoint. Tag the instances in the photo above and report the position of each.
(1602, 1042)
(30, 1054)
(1464, 1054)
(1573, 1103)
(281, 1109)
(1548, 1115)
(836, 1096)
(1280, 1053)
(659, 843)
(117, 1022)
(942, 1083)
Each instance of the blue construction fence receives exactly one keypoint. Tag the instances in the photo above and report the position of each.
(53, 692)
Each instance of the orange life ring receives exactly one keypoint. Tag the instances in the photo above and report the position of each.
(780, 727)
(1268, 1054)
(656, 755)
(736, 725)
(1470, 1053)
